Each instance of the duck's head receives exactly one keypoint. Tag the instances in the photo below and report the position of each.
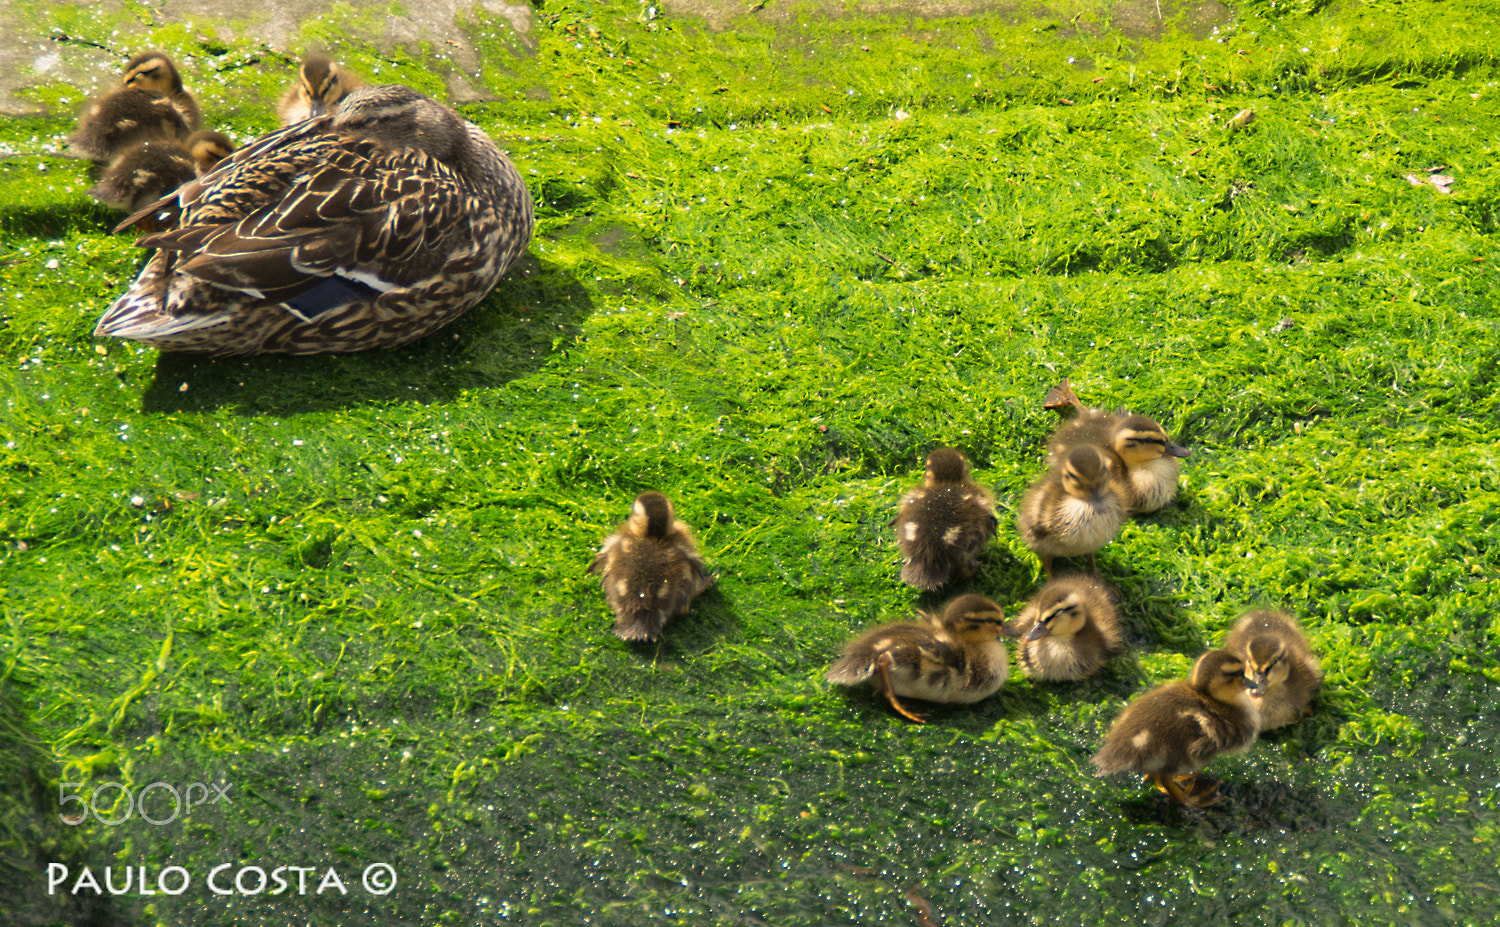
(322, 83)
(1220, 675)
(1085, 472)
(153, 71)
(1265, 665)
(399, 117)
(1061, 619)
(208, 149)
(652, 515)
(945, 465)
(973, 618)
(1139, 440)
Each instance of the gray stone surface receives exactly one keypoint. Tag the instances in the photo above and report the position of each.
(37, 52)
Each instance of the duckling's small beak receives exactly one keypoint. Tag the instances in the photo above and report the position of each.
(316, 107)
(1256, 685)
(1177, 450)
(1038, 632)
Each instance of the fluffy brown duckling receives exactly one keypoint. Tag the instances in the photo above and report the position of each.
(1068, 630)
(143, 173)
(208, 148)
(1073, 510)
(1146, 460)
(123, 117)
(321, 84)
(150, 103)
(650, 569)
(156, 72)
(944, 524)
(1281, 673)
(1173, 731)
(954, 656)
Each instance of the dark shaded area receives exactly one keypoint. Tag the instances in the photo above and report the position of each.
(535, 309)
(32, 836)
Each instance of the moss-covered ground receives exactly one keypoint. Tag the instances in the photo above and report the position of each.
(774, 265)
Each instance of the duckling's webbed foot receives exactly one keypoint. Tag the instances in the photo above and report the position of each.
(1189, 790)
(1201, 792)
(883, 670)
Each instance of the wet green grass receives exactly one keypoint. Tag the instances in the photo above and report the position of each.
(352, 587)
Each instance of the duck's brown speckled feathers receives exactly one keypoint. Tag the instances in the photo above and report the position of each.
(650, 569)
(1069, 630)
(1173, 731)
(953, 656)
(369, 227)
(142, 173)
(944, 524)
(1281, 673)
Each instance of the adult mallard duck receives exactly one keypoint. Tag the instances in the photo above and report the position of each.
(368, 227)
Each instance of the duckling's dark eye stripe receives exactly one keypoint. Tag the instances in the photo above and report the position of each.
(1145, 440)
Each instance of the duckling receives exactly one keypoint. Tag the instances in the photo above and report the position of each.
(944, 524)
(143, 173)
(154, 71)
(1281, 673)
(321, 84)
(650, 569)
(1074, 510)
(1068, 630)
(1173, 731)
(1145, 459)
(123, 117)
(208, 148)
(954, 656)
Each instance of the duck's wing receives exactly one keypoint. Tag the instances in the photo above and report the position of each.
(349, 221)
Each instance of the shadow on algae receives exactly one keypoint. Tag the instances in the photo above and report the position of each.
(28, 815)
(536, 308)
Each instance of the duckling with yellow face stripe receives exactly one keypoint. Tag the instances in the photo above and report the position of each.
(944, 524)
(1069, 630)
(321, 84)
(150, 104)
(650, 569)
(1173, 731)
(1074, 510)
(954, 656)
(1146, 461)
(1281, 673)
(156, 72)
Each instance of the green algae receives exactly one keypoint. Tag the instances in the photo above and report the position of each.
(352, 586)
